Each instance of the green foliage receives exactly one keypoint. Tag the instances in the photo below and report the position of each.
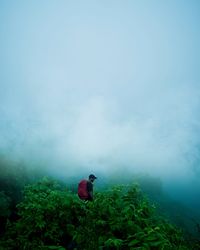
(121, 218)
(5, 210)
(45, 216)
(4, 205)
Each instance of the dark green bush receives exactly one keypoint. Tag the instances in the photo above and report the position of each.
(121, 218)
(4, 205)
(46, 216)
(5, 210)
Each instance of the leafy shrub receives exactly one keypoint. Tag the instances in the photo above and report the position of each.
(120, 218)
(123, 219)
(5, 210)
(4, 205)
(46, 216)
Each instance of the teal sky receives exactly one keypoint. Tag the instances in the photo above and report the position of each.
(101, 84)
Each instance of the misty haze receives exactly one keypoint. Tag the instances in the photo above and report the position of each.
(110, 88)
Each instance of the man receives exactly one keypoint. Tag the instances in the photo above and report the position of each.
(85, 188)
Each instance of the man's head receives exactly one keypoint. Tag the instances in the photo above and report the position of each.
(92, 177)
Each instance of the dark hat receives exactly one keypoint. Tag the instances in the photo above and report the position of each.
(91, 176)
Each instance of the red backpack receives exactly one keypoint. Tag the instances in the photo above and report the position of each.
(82, 190)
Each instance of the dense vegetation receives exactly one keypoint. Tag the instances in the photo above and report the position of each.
(51, 217)
(47, 215)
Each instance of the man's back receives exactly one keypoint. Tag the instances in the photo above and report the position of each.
(82, 189)
(85, 188)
